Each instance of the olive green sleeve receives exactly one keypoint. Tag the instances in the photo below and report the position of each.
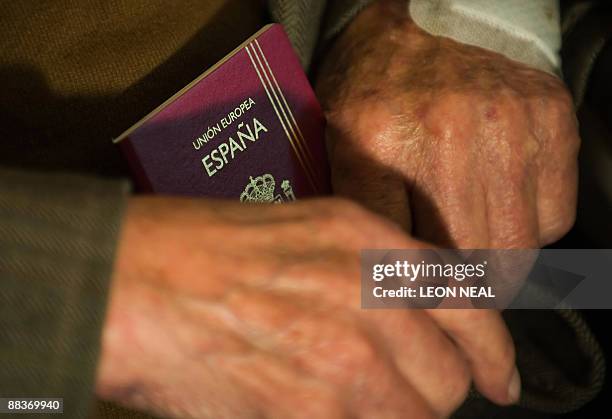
(58, 235)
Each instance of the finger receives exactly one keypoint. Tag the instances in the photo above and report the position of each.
(558, 178)
(275, 389)
(511, 207)
(556, 202)
(512, 218)
(387, 395)
(486, 343)
(447, 200)
(372, 184)
(338, 353)
(451, 216)
(424, 355)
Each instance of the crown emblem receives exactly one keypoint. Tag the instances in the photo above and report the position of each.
(262, 189)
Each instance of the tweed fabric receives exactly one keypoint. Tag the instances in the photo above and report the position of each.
(57, 239)
(301, 20)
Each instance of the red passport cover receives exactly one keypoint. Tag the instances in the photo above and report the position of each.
(249, 128)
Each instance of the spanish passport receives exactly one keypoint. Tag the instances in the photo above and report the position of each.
(249, 128)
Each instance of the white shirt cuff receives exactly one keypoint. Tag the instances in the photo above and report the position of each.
(527, 31)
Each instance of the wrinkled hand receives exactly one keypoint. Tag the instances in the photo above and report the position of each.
(223, 310)
(481, 150)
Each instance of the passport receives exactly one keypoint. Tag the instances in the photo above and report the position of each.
(249, 128)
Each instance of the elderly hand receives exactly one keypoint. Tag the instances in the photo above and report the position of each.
(226, 310)
(457, 144)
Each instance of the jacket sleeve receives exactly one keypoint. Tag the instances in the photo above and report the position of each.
(57, 238)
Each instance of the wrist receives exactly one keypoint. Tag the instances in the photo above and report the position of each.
(124, 372)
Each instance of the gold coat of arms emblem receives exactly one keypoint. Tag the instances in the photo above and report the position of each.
(262, 189)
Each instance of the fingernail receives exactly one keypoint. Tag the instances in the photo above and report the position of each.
(514, 389)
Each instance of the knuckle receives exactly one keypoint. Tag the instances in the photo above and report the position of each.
(361, 351)
(450, 114)
(509, 95)
(557, 113)
(351, 351)
(338, 353)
